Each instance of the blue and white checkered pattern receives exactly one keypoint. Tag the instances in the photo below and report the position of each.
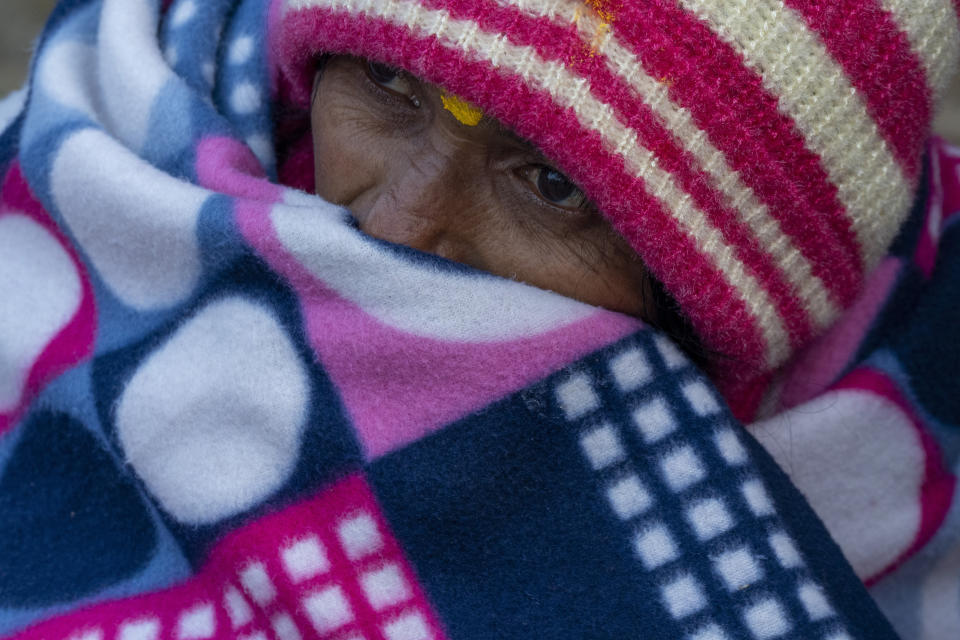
(673, 469)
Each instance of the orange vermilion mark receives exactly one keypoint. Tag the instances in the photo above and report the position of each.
(603, 10)
(603, 16)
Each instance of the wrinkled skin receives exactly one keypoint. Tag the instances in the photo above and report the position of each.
(413, 174)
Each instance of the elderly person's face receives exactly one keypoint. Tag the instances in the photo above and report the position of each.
(413, 173)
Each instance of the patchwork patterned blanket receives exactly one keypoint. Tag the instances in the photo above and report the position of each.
(227, 413)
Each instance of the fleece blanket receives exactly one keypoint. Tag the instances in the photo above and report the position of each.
(227, 413)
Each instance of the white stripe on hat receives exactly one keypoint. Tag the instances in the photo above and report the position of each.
(932, 29)
(814, 91)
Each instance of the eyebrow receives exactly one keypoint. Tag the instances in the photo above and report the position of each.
(507, 132)
(516, 138)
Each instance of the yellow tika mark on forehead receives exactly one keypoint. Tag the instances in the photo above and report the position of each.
(462, 110)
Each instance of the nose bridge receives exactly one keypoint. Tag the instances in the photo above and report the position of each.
(417, 200)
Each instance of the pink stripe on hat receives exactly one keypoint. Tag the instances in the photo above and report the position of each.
(730, 104)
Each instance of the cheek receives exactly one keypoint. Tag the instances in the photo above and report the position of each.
(342, 160)
(589, 265)
(609, 280)
(328, 146)
(621, 287)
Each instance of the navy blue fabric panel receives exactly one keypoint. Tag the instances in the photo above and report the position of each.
(72, 522)
(930, 350)
(920, 345)
(905, 244)
(628, 465)
(9, 141)
(494, 512)
(329, 449)
(897, 311)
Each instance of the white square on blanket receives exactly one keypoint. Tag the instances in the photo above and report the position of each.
(257, 583)
(655, 546)
(628, 497)
(197, 623)
(738, 568)
(144, 629)
(359, 536)
(602, 447)
(730, 447)
(682, 468)
(385, 587)
(767, 619)
(631, 370)
(284, 627)
(328, 609)
(88, 634)
(654, 420)
(701, 398)
(411, 626)
(814, 601)
(671, 355)
(709, 518)
(304, 559)
(237, 608)
(683, 596)
(757, 498)
(576, 396)
(710, 632)
(784, 549)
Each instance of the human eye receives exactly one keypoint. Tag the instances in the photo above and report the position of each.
(392, 81)
(553, 187)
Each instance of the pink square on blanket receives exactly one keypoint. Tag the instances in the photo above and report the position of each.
(326, 568)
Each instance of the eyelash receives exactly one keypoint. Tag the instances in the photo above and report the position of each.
(533, 174)
(410, 99)
(525, 173)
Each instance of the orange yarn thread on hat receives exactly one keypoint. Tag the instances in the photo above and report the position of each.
(602, 17)
(602, 7)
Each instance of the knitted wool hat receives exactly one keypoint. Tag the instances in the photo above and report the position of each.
(759, 155)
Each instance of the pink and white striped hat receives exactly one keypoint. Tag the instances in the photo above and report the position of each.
(759, 155)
